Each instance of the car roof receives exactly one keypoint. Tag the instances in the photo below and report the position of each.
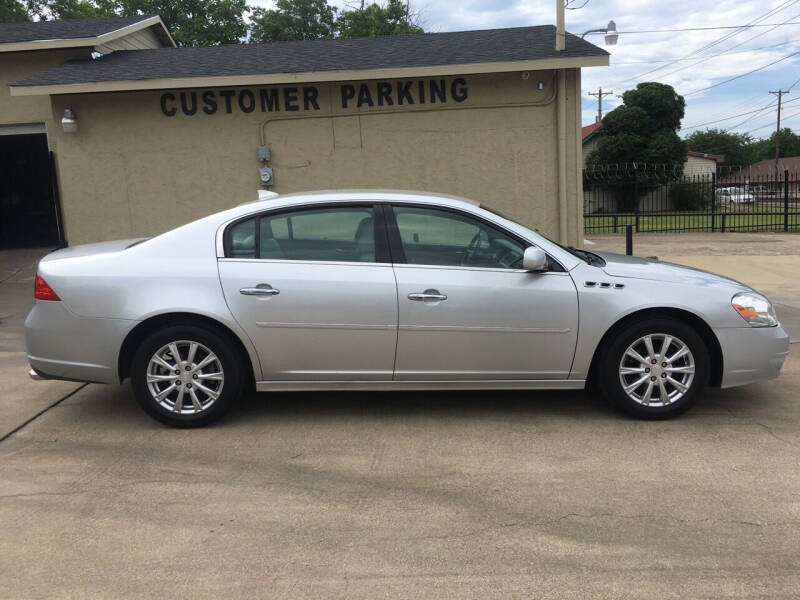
(353, 195)
(374, 195)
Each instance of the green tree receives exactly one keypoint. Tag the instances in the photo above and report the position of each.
(643, 129)
(737, 148)
(191, 22)
(642, 134)
(293, 20)
(194, 22)
(393, 18)
(12, 11)
(789, 145)
(79, 9)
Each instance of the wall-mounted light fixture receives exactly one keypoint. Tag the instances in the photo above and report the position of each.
(610, 32)
(69, 121)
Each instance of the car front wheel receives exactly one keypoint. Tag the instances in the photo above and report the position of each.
(186, 376)
(654, 368)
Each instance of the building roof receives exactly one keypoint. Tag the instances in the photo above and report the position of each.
(767, 166)
(72, 33)
(588, 131)
(463, 52)
(715, 157)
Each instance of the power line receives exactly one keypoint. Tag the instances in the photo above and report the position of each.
(739, 29)
(568, 7)
(667, 60)
(724, 118)
(707, 28)
(743, 74)
(772, 123)
(750, 118)
(704, 59)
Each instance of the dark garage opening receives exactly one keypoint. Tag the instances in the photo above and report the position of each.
(28, 203)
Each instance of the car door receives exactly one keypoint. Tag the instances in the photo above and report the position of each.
(313, 288)
(467, 311)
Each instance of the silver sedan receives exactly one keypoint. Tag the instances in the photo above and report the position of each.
(380, 290)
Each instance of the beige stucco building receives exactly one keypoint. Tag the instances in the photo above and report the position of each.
(167, 135)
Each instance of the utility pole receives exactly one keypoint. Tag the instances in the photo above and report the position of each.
(561, 35)
(779, 94)
(600, 95)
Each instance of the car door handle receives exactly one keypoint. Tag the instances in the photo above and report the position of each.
(428, 296)
(262, 289)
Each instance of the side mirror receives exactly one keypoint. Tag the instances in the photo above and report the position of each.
(534, 259)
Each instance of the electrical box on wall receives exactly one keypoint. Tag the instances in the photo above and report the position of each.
(263, 153)
(265, 175)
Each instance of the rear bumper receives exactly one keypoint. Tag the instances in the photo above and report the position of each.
(62, 345)
(752, 354)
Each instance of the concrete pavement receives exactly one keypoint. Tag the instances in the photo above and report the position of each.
(440, 495)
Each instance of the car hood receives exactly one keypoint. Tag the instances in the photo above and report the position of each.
(621, 265)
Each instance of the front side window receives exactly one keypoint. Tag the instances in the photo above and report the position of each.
(432, 236)
(318, 234)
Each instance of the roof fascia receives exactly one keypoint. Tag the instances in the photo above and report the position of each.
(83, 42)
(309, 77)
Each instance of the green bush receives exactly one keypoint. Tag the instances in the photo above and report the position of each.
(691, 196)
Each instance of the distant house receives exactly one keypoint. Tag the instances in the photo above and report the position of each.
(764, 170)
(589, 139)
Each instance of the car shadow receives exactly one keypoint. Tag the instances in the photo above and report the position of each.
(116, 403)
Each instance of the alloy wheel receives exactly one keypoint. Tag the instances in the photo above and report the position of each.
(185, 377)
(656, 370)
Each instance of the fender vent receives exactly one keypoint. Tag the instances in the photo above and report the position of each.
(603, 284)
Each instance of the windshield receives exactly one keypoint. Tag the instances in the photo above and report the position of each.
(584, 255)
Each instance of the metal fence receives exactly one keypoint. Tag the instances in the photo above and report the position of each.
(654, 199)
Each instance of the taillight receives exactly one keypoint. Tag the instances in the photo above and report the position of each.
(42, 291)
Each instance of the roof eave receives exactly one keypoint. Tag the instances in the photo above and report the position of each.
(310, 76)
(86, 42)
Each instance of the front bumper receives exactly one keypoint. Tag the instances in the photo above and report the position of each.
(752, 354)
(62, 345)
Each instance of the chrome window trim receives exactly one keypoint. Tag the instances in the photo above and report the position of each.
(264, 211)
(306, 262)
(480, 269)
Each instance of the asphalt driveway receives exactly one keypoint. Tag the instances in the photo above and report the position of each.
(364, 495)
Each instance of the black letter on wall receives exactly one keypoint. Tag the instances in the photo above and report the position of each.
(438, 91)
(189, 110)
(310, 98)
(228, 95)
(169, 112)
(290, 98)
(269, 100)
(364, 96)
(247, 101)
(348, 93)
(404, 92)
(210, 104)
(385, 93)
(459, 94)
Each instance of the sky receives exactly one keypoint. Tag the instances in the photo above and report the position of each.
(635, 54)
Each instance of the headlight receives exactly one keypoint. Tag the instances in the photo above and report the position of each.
(755, 309)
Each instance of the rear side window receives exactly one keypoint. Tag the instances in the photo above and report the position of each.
(242, 239)
(344, 233)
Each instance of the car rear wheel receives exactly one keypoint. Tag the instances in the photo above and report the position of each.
(654, 368)
(186, 376)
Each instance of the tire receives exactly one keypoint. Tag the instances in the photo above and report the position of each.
(672, 389)
(208, 390)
